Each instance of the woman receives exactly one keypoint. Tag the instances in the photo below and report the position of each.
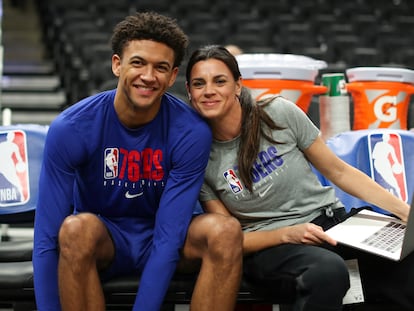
(259, 172)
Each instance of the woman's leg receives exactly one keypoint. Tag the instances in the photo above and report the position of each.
(318, 277)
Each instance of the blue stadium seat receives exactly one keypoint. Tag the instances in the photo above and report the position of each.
(21, 152)
(364, 149)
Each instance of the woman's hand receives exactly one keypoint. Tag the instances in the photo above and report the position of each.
(307, 233)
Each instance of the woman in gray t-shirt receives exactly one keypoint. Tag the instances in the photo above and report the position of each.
(259, 171)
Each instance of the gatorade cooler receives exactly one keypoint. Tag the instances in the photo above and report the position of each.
(289, 75)
(381, 96)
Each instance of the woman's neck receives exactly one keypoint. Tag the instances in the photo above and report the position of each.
(225, 135)
(228, 127)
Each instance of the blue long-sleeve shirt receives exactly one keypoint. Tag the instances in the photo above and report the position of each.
(152, 175)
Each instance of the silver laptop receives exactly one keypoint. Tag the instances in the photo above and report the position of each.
(376, 233)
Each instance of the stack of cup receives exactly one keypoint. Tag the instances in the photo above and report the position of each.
(334, 106)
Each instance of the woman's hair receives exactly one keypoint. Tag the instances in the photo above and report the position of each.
(150, 26)
(255, 121)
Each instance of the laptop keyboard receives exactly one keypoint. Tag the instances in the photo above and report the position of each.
(387, 238)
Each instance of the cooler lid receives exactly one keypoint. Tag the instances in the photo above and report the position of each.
(279, 66)
(390, 74)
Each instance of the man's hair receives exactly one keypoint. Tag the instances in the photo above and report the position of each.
(150, 26)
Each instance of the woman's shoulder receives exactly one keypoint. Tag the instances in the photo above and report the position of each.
(279, 105)
(183, 115)
(280, 102)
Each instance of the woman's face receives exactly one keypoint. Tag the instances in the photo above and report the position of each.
(212, 89)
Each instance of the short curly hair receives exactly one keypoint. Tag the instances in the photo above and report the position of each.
(150, 26)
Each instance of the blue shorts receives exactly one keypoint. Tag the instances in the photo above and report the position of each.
(132, 243)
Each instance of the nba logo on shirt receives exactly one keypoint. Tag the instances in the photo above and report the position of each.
(14, 175)
(111, 160)
(387, 162)
(233, 181)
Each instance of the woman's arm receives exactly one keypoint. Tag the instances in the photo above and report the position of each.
(307, 233)
(352, 180)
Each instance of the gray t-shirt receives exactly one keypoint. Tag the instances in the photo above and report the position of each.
(285, 189)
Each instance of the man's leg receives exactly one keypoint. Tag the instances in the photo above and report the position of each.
(218, 241)
(85, 246)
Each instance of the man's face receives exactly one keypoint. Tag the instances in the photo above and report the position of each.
(145, 70)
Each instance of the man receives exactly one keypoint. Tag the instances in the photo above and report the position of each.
(121, 174)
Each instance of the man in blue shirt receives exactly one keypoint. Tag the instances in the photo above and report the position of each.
(121, 175)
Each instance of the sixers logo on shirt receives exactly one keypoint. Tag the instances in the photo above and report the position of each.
(14, 175)
(387, 162)
(111, 163)
(233, 181)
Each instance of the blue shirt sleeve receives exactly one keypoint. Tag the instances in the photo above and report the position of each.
(54, 204)
(174, 215)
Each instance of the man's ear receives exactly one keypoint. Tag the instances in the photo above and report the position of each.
(116, 65)
(173, 76)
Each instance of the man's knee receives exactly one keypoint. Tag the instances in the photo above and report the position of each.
(225, 237)
(78, 235)
(213, 237)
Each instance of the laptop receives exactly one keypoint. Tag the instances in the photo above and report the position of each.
(377, 233)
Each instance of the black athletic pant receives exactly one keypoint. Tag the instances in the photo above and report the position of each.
(318, 279)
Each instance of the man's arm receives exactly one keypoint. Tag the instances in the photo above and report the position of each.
(173, 217)
(54, 204)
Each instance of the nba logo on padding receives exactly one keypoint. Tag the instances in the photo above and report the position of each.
(387, 162)
(233, 181)
(111, 159)
(14, 174)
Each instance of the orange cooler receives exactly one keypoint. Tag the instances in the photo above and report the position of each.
(381, 96)
(289, 75)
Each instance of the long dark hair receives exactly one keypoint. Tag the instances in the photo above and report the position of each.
(255, 121)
